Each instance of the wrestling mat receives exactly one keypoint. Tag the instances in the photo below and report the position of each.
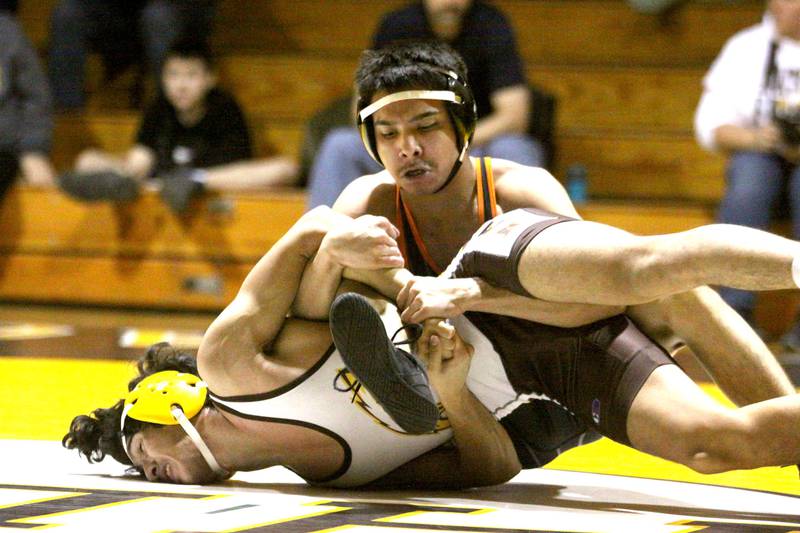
(51, 371)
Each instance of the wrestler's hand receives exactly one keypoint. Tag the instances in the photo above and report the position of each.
(422, 298)
(436, 327)
(448, 358)
(368, 243)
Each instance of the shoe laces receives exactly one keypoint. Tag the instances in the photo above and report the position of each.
(413, 335)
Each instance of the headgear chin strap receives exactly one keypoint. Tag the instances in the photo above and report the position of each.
(456, 166)
(169, 398)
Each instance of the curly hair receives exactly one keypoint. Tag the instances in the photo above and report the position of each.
(409, 65)
(98, 434)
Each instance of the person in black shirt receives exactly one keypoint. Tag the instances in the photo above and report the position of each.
(193, 136)
(218, 138)
(484, 38)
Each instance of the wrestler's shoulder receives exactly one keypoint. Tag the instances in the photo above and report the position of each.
(514, 181)
(372, 193)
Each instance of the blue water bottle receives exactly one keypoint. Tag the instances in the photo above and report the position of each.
(577, 183)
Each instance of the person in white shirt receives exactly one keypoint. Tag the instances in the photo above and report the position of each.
(750, 110)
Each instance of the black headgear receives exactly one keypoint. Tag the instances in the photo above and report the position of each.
(460, 105)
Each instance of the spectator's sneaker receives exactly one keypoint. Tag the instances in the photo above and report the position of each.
(178, 188)
(395, 378)
(96, 186)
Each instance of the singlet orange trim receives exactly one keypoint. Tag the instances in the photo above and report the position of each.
(423, 250)
(490, 187)
(479, 188)
(482, 184)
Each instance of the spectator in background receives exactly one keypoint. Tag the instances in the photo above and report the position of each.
(193, 137)
(26, 124)
(122, 31)
(750, 110)
(484, 38)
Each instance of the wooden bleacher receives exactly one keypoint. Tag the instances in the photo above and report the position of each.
(53, 249)
(627, 86)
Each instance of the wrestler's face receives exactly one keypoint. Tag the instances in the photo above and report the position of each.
(167, 454)
(416, 143)
(186, 82)
(787, 17)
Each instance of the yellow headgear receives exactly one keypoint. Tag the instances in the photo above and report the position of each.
(152, 399)
(168, 398)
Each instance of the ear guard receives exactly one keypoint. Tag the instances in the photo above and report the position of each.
(169, 398)
(460, 105)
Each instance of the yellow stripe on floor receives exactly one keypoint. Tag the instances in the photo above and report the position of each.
(40, 397)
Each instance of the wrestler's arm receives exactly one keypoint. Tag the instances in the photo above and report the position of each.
(422, 297)
(367, 242)
(446, 298)
(481, 452)
(231, 350)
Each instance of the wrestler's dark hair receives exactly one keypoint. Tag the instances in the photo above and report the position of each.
(410, 65)
(191, 48)
(97, 434)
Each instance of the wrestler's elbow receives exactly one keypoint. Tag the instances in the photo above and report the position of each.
(486, 477)
(495, 471)
(510, 469)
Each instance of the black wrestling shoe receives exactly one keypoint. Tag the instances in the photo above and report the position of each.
(97, 186)
(178, 188)
(394, 377)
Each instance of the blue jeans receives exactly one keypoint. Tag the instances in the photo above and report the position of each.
(80, 26)
(342, 158)
(522, 149)
(756, 185)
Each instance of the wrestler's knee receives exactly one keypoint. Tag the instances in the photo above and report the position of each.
(721, 443)
(638, 271)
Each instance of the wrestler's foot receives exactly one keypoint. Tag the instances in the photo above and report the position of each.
(394, 377)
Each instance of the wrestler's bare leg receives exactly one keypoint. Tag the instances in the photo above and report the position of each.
(673, 419)
(581, 261)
